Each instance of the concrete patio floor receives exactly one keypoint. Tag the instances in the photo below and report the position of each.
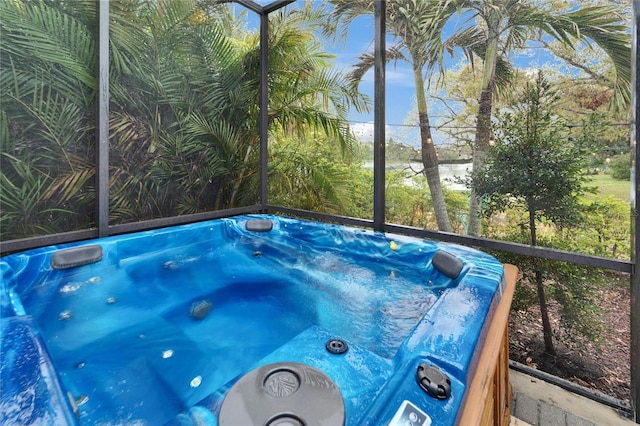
(539, 403)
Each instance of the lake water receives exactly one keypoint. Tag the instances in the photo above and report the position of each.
(449, 173)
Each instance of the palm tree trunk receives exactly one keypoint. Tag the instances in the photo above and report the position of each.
(239, 179)
(483, 127)
(483, 135)
(429, 155)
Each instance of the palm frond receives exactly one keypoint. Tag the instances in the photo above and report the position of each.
(33, 31)
(599, 25)
(23, 207)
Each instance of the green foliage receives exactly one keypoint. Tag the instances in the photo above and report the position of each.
(409, 203)
(620, 167)
(308, 174)
(600, 136)
(604, 231)
(184, 117)
(534, 167)
(47, 87)
(571, 290)
(399, 152)
(533, 164)
(26, 210)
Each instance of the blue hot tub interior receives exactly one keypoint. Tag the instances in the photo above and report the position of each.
(158, 326)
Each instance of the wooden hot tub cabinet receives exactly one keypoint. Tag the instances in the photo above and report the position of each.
(488, 399)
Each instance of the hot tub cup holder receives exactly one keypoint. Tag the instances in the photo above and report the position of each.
(283, 393)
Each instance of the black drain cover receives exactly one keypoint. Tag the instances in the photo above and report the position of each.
(336, 346)
(284, 393)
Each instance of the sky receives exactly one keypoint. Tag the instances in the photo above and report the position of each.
(400, 90)
(400, 110)
(399, 79)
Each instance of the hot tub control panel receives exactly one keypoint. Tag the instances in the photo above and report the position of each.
(410, 415)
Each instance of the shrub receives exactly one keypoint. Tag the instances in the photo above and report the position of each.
(620, 167)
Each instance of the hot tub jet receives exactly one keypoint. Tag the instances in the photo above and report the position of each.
(200, 309)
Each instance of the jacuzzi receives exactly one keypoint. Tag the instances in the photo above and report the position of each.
(254, 319)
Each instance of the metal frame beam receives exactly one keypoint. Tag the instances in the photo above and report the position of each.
(261, 10)
(264, 107)
(635, 215)
(102, 122)
(264, 11)
(379, 119)
(482, 243)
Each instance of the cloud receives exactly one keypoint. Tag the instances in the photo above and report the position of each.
(394, 76)
(399, 78)
(363, 131)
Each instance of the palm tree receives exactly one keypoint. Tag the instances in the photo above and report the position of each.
(202, 67)
(501, 26)
(183, 125)
(47, 87)
(405, 19)
(309, 102)
(305, 96)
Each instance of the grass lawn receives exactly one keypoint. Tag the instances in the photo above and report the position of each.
(608, 186)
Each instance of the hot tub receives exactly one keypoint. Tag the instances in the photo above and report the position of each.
(254, 319)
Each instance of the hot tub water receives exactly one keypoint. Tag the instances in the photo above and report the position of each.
(171, 318)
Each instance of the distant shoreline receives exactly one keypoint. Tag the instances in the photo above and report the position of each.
(450, 171)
